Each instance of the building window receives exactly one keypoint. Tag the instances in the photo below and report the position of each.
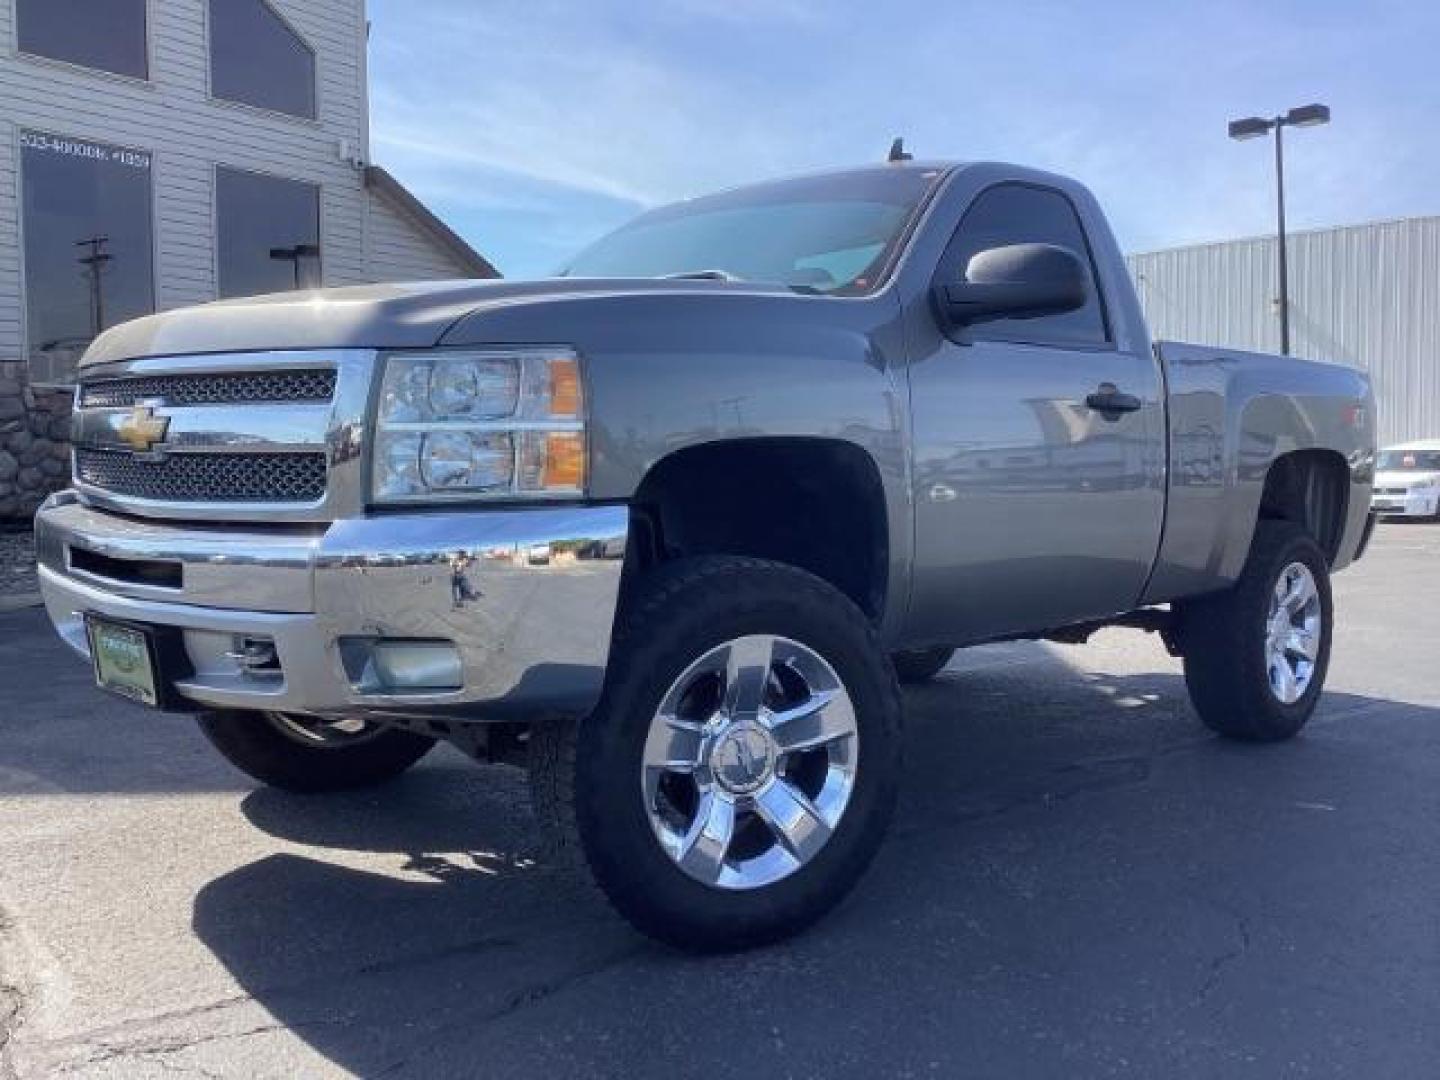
(104, 34)
(269, 233)
(257, 59)
(88, 248)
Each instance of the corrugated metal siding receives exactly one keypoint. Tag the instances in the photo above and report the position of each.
(187, 133)
(398, 250)
(1367, 296)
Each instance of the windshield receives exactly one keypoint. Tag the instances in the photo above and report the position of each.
(827, 234)
(1410, 460)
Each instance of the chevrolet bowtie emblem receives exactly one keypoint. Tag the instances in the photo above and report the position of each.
(142, 429)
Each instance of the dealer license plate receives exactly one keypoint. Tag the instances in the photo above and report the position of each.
(124, 660)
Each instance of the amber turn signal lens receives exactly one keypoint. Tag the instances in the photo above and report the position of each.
(564, 460)
(565, 388)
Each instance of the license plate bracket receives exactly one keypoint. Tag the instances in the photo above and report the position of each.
(135, 660)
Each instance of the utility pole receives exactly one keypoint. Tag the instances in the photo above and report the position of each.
(94, 262)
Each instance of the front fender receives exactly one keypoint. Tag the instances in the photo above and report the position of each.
(666, 373)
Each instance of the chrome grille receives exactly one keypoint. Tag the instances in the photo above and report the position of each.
(219, 388)
(278, 478)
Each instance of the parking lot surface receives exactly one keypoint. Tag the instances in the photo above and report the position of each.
(1081, 881)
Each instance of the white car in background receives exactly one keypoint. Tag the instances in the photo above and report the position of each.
(1407, 480)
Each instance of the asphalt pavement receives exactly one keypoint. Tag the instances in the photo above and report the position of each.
(1081, 881)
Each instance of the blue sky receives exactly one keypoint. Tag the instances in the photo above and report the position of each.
(533, 126)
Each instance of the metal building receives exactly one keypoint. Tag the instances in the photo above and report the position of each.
(1364, 295)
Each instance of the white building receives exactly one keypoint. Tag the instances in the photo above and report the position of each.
(157, 153)
(1364, 295)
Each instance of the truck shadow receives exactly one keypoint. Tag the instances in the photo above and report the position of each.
(1071, 849)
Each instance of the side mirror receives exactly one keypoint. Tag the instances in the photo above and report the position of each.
(1020, 281)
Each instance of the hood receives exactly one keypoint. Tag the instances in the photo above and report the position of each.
(1405, 477)
(411, 315)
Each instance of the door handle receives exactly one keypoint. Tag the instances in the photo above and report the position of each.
(1109, 401)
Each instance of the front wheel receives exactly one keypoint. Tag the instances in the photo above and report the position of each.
(1256, 655)
(306, 754)
(741, 770)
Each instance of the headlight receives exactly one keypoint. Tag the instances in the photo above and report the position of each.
(479, 424)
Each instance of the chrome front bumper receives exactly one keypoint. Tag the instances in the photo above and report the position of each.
(526, 597)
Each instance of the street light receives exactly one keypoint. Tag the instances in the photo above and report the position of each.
(293, 255)
(1253, 127)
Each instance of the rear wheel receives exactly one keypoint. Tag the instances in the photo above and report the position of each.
(306, 754)
(1256, 655)
(921, 665)
(741, 770)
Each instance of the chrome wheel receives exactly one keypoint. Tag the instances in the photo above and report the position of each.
(319, 732)
(1293, 633)
(749, 762)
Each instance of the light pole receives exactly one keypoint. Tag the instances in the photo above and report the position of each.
(293, 255)
(1253, 127)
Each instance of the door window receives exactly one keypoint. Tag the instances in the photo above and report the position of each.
(1024, 214)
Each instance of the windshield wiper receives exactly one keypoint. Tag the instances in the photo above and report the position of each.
(701, 275)
(725, 275)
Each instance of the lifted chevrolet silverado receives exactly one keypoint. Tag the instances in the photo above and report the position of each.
(669, 527)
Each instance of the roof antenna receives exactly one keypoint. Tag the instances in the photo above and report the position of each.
(897, 152)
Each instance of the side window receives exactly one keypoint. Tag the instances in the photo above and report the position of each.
(256, 59)
(105, 34)
(1022, 214)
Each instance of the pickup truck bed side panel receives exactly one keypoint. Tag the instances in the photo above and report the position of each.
(1232, 414)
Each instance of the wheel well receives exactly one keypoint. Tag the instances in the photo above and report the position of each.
(814, 503)
(1310, 488)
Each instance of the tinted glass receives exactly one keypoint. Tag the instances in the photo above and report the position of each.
(1018, 214)
(104, 34)
(86, 210)
(833, 234)
(257, 59)
(269, 233)
(1410, 460)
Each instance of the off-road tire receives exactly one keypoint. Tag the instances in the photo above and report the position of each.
(920, 665)
(551, 769)
(681, 611)
(1223, 638)
(251, 743)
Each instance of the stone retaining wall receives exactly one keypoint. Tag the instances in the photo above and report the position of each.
(34, 442)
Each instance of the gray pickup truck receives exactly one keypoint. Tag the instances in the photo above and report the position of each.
(670, 526)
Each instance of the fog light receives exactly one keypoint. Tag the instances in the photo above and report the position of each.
(387, 666)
